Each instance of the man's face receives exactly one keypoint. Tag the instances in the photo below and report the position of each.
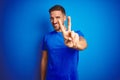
(54, 17)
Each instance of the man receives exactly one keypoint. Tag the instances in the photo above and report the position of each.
(61, 48)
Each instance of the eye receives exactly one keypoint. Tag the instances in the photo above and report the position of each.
(58, 17)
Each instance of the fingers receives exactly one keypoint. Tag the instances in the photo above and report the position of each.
(72, 40)
(72, 35)
(61, 26)
(69, 44)
(69, 23)
(75, 38)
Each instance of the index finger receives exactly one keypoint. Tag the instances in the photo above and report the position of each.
(61, 26)
(69, 23)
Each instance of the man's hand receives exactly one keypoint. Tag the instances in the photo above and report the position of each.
(70, 37)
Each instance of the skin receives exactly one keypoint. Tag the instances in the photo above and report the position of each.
(54, 17)
(71, 39)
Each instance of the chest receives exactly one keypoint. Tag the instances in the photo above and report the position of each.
(55, 41)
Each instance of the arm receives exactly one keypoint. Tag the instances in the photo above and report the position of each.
(43, 65)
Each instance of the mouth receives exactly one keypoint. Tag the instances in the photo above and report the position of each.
(55, 25)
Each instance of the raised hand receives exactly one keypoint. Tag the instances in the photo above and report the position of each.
(70, 37)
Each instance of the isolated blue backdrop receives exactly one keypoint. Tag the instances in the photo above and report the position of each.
(24, 23)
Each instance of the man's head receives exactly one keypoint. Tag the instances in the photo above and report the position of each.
(57, 12)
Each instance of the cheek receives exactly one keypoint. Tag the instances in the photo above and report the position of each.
(62, 20)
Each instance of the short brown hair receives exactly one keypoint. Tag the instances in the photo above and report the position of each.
(57, 8)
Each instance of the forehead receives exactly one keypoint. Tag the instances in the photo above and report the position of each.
(56, 13)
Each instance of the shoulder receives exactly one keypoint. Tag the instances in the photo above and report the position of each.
(49, 34)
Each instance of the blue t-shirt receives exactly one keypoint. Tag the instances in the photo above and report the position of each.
(62, 60)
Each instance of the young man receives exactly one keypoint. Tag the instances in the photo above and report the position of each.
(61, 48)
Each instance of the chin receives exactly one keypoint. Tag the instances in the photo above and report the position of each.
(56, 29)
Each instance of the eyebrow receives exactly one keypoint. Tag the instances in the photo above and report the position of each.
(57, 16)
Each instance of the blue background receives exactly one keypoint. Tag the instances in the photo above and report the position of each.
(23, 24)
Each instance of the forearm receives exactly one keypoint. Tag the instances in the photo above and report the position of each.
(43, 65)
(43, 69)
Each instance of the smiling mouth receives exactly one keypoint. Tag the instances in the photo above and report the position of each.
(55, 25)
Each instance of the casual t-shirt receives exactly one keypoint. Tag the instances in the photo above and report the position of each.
(62, 60)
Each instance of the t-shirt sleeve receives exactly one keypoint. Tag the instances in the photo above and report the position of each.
(44, 47)
(80, 33)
